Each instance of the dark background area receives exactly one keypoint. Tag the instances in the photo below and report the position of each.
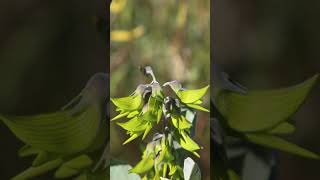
(273, 44)
(48, 51)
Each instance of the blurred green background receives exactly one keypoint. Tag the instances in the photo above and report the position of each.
(273, 44)
(174, 38)
(48, 51)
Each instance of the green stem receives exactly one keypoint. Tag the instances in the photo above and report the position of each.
(164, 173)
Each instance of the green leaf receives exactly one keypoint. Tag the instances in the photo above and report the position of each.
(143, 166)
(180, 122)
(59, 132)
(27, 150)
(120, 172)
(191, 96)
(261, 110)
(198, 102)
(159, 115)
(73, 167)
(280, 144)
(43, 157)
(65, 172)
(39, 170)
(195, 106)
(187, 143)
(132, 114)
(133, 136)
(79, 162)
(165, 155)
(283, 128)
(135, 124)
(173, 169)
(121, 115)
(154, 112)
(129, 103)
(147, 130)
(149, 116)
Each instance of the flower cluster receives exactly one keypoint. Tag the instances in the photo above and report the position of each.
(148, 107)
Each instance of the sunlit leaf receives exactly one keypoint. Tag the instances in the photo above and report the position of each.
(159, 115)
(147, 130)
(197, 107)
(132, 114)
(191, 96)
(121, 115)
(187, 143)
(173, 169)
(132, 137)
(180, 122)
(143, 166)
(198, 102)
(134, 124)
(150, 116)
(129, 103)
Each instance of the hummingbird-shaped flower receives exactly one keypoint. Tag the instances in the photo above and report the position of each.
(130, 105)
(191, 98)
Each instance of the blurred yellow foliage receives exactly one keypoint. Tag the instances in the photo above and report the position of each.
(117, 6)
(127, 35)
(182, 14)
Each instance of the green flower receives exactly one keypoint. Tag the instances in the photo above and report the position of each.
(191, 98)
(142, 116)
(129, 106)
